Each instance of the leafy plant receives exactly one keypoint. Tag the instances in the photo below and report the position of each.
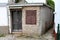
(51, 3)
(2, 35)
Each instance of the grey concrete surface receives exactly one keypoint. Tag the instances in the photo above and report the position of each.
(47, 36)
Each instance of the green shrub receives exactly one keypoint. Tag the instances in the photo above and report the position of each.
(2, 35)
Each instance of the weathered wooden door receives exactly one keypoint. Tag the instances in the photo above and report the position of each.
(16, 15)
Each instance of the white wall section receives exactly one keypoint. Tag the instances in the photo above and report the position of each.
(57, 14)
(3, 1)
(3, 16)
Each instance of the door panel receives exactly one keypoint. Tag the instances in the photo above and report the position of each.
(16, 19)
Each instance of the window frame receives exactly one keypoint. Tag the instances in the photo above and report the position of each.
(31, 16)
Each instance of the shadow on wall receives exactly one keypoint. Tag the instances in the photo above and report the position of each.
(49, 25)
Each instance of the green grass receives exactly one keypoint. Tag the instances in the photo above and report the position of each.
(2, 35)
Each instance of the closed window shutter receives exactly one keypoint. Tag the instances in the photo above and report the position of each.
(30, 16)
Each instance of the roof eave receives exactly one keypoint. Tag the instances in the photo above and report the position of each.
(31, 4)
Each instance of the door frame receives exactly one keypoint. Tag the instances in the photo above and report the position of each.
(20, 26)
(9, 16)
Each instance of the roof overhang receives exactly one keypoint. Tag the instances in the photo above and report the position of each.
(29, 4)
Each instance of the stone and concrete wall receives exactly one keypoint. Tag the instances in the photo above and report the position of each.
(46, 17)
(30, 29)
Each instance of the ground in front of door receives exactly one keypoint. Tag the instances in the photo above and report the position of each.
(47, 36)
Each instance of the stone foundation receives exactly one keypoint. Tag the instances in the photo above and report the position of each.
(4, 30)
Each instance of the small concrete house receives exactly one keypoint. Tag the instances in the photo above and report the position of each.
(28, 18)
